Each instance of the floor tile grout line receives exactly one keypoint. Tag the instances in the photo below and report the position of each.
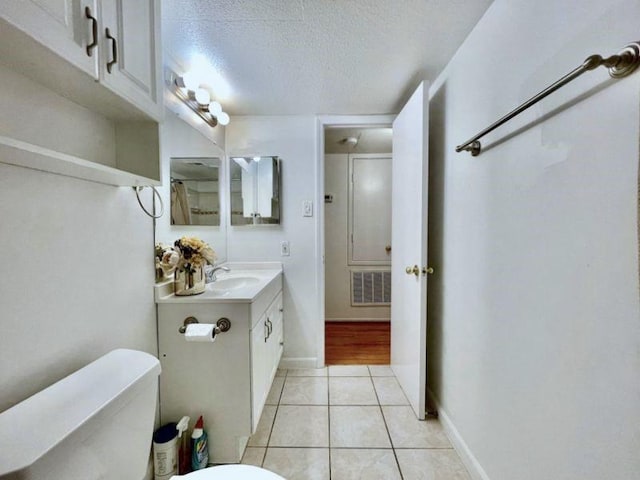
(359, 448)
(273, 423)
(388, 432)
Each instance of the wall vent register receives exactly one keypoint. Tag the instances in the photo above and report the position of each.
(370, 288)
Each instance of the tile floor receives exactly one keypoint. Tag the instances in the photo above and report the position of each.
(348, 423)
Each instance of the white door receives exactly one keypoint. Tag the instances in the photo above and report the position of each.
(410, 169)
(369, 210)
(130, 60)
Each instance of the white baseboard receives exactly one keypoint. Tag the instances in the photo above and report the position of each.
(298, 362)
(468, 458)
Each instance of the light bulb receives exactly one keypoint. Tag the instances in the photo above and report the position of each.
(215, 108)
(202, 97)
(223, 118)
(190, 81)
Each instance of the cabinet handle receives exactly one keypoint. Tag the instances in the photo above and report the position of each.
(114, 50)
(270, 326)
(94, 31)
(266, 331)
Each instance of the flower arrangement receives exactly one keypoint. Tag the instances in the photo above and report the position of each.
(187, 254)
(166, 260)
(193, 253)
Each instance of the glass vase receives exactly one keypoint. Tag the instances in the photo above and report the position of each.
(189, 280)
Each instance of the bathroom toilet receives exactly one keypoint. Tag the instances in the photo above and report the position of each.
(231, 472)
(95, 424)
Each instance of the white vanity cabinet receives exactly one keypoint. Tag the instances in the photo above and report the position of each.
(226, 381)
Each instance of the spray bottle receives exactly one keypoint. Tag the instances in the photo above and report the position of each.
(199, 447)
(184, 452)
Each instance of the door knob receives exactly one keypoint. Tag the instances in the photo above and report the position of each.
(415, 270)
(387, 248)
(428, 270)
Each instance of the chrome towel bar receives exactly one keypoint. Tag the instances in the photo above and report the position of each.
(620, 65)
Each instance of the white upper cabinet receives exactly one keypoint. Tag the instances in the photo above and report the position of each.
(96, 64)
(130, 63)
(64, 26)
(68, 44)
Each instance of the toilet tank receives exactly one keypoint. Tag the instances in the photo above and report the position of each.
(97, 423)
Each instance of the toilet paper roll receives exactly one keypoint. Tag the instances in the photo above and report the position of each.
(200, 332)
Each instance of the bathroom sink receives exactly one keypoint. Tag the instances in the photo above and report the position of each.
(244, 283)
(233, 283)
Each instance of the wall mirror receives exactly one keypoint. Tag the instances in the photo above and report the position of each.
(195, 191)
(255, 190)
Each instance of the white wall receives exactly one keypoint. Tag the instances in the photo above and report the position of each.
(293, 139)
(77, 277)
(180, 139)
(337, 271)
(534, 327)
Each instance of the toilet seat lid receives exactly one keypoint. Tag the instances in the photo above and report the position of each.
(230, 472)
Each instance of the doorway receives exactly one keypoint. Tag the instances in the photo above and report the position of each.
(357, 239)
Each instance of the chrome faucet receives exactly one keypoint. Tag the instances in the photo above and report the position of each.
(210, 273)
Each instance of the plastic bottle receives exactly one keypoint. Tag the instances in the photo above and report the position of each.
(165, 458)
(199, 447)
(184, 447)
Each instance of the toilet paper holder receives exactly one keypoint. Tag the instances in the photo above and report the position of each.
(222, 325)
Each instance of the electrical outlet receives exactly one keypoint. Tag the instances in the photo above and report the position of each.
(284, 249)
(307, 208)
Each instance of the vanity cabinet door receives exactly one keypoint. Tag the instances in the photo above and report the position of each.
(276, 339)
(266, 351)
(62, 26)
(130, 64)
(259, 369)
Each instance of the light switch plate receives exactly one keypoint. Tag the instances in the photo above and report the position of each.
(307, 208)
(284, 249)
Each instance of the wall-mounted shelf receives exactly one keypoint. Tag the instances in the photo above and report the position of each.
(23, 154)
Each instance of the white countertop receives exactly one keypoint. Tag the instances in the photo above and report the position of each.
(250, 280)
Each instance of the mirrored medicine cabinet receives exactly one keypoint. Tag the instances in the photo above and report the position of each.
(255, 190)
(195, 191)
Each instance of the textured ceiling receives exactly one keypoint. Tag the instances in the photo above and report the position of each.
(319, 56)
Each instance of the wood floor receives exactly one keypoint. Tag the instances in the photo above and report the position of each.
(357, 343)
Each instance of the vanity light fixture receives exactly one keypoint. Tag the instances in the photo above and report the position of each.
(202, 97)
(195, 94)
(215, 108)
(223, 118)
